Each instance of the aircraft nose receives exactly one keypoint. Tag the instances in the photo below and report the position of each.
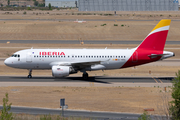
(7, 62)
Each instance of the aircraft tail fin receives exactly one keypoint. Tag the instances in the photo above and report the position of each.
(156, 39)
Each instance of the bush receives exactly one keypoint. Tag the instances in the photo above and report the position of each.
(28, 8)
(175, 104)
(115, 24)
(5, 114)
(144, 116)
(103, 24)
(36, 3)
(24, 12)
(50, 8)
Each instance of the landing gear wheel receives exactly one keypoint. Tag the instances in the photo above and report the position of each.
(85, 76)
(29, 76)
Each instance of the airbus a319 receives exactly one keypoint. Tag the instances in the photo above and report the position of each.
(64, 62)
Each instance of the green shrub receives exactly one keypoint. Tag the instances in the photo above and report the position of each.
(5, 114)
(103, 24)
(144, 116)
(115, 24)
(175, 103)
(28, 8)
(24, 12)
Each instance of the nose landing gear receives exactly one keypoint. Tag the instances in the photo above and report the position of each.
(30, 73)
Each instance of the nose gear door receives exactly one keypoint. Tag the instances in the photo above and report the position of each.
(29, 57)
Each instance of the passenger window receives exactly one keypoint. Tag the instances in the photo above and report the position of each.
(34, 56)
(97, 56)
(42, 56)
(76, 56)
(18, 55)
(119, 56)
(50, 56)
(81, 56)
(15, 55)
(124, 56)
(61, 56)
(92, 56)
(102, 56)
(64, 56)
(37, 56)
(86, 56)
(89, 56)
(110, 56)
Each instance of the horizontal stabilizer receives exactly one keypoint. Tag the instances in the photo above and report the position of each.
(156, 55)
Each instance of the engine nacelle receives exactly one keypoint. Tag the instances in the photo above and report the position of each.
(60, 71)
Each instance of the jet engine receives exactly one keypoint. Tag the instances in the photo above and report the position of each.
(62, 71)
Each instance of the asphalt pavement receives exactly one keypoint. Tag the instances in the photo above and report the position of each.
(74, 113)
(96, 79)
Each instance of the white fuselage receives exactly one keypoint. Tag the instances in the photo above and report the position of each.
(46, 58)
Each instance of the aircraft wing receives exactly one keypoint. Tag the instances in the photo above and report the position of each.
(77, 64)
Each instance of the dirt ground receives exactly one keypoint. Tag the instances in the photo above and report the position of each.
(114, 99)
(54, 29)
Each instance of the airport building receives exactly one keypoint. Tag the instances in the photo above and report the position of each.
(128, 5)
(61, 3)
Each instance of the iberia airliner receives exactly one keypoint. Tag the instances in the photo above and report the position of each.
(63, 62)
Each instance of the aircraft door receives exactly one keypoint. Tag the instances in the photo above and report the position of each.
(29, 57)
(135, 57)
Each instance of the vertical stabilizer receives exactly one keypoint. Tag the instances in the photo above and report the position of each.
(157, 37)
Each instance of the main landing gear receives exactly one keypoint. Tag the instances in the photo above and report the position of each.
(30, 73)
(85, 76)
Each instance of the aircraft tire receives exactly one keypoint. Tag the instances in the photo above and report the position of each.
(85, 76)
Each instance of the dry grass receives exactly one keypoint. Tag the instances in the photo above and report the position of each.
(114, 99)
(92, 30)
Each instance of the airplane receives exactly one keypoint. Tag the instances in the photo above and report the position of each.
(64, 62)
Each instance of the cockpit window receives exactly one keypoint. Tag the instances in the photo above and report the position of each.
(15, 55)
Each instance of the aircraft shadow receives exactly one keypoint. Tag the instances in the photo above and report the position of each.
(96, 79)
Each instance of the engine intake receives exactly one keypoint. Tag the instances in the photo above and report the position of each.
(62, 71)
